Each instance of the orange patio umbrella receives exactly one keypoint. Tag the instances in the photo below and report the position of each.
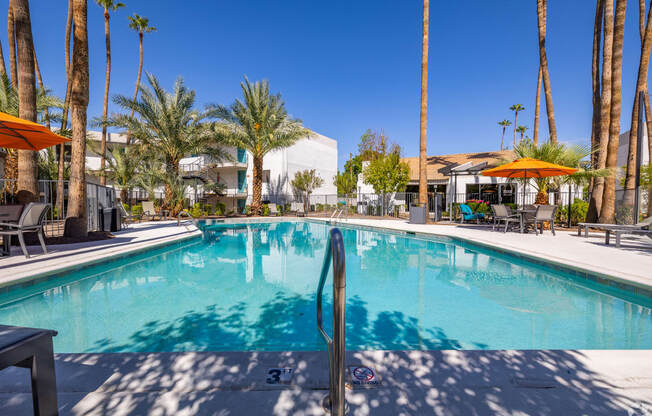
(16, 133)
(528, 168)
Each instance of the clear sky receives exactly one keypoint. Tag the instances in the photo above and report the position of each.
(345, 66)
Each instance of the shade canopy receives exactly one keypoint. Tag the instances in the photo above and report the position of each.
(529, 168)
(16, 133)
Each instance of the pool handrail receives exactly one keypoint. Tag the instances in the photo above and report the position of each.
(183, 211)
(335, 401)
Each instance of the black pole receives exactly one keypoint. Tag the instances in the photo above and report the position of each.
(639, 143)
(570, 193)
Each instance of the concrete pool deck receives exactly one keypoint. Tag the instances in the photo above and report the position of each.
(589, 382)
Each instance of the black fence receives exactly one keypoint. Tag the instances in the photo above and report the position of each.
(97, 198)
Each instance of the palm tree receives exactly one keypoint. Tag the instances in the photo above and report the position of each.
(3, 67)
(522, 130)
(595, 77)
(169, 125)
(78, 105)
(542, 12)
(595, 204)
(608, 210)
(27, 159)
(11, 27)
(641, 86)
(516, 108)
(108, 6)
(141, 25)
(537, 108)
(123, 163)
(260, 125)
(66, 105)
(504, 124)
(560, 154)
(41, 86)
(423, 138)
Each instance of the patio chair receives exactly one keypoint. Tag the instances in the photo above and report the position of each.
(32, 348)
(468, 215)
(501, 213)
(30, 221)
(148, 210)
(298, 208)
(273, 210)
(544, 213)
(127, 217)
(643, 225)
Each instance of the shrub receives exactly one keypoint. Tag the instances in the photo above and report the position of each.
(265, 210)
(579, 208)
(247, 210)
(478, 206)
(137, 210)
(220, 208)
(320, 207)
(196, 210)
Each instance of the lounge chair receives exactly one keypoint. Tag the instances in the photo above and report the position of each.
(643, 225)
(32, 348)
(500, 214)
(30, 221)
(621, 232)
(273, 210)
(468, 215)
(126, 217)
(544, 213)
(298, 208)
(148, 210)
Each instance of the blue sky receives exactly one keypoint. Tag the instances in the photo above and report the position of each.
(345, 66)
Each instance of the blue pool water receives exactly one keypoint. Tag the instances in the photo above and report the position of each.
(252, 287)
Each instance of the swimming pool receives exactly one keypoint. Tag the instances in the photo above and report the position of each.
(252, 287)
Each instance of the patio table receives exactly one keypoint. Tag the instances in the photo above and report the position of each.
(522, 213)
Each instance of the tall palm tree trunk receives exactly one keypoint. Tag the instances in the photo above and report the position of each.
(608, 210)
(502, 140)
(12, 46)
(64, 118)
(78, 104)
(46, 111)
(641, 84)
(595, 78)
(140, 70)
(515, 126)
(542, 6)
(423, 120)
(257, 185)
(3, 67)
(107, 36)
(27, 159)
(537, 109)
(595, 205)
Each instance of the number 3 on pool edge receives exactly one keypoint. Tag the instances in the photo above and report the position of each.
(274, 376)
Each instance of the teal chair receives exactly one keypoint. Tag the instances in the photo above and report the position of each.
(468, 215)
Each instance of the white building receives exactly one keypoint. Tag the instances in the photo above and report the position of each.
(623, 152)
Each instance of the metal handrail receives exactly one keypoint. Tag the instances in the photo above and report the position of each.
(183, 211)
(335, 401)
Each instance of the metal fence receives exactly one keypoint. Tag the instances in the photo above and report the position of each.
(97, 198)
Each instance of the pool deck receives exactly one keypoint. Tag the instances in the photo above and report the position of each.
(590, 382)
(630, 264)
(142, 236)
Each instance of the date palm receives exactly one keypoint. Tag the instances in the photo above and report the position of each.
(123, 163)
(537, 107)
(169, 125)
(516, 108)
(608, 210)
(27, 159)
(423, 138)
(504, 124)
(141, 25)
(542, 14)
(78, 225)
(259, 124)
(522, 130)
(108, 6)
